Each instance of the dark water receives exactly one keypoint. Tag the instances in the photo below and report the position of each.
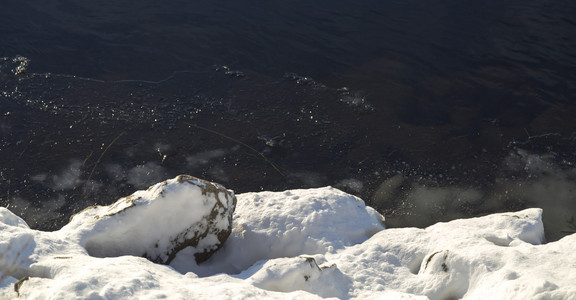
(429, 111)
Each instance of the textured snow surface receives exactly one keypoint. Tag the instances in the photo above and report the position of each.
(306, 244)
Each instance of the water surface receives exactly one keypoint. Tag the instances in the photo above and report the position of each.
(427, 110)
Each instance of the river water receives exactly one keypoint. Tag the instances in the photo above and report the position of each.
(428, 111)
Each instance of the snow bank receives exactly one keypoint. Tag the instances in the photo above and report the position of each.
(307, 244)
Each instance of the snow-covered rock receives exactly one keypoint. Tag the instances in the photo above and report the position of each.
(298, 273)
(306, 244)
(183, 212)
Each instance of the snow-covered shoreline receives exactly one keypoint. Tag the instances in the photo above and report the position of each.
(313, 243)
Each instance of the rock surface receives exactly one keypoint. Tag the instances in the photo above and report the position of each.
(183, 212)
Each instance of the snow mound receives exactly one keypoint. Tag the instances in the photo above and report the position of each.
(184, 212)
(493, 257)
(285, 224)
(21, 248)
(304, 244)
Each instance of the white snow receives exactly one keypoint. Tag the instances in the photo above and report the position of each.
(302, 244)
